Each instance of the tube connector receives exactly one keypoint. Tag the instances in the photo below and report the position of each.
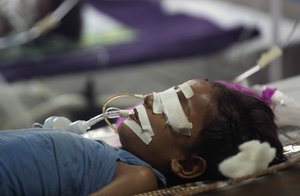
(125, 113)
(264, 60)
(64, 124)
(78, 127)
(269, 56)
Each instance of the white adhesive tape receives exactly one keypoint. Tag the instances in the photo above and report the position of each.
(186, 90)
(138, 131)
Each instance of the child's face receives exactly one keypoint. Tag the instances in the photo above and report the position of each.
(167, 144)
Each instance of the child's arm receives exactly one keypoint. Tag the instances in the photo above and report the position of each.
(129, 180)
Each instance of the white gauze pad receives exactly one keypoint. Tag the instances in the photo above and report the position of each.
(253, 156)
(144, 120)
(174, 112)
(137, 129)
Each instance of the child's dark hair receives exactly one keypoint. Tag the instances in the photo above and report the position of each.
(235, 117)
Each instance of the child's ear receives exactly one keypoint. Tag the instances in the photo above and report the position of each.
(188, 168)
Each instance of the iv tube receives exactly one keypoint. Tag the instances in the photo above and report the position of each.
(264, 60)
(117, 96)
(110, 113)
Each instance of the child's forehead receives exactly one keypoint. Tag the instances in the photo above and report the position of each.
(195, 84)
(201, 87)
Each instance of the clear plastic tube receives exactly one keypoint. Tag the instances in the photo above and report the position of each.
(81, 126)
(110, 113)
(118, 96)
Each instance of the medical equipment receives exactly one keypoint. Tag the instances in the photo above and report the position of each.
(118, 96)
(145, 131)
(42, 26)
(81, 126)
(145, 136)
(265, 59)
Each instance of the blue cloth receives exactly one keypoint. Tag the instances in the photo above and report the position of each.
(49, 162)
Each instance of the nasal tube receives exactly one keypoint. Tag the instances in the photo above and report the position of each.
(81, 126)
(121, 95)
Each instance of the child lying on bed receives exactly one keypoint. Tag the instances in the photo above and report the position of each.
(176, 136)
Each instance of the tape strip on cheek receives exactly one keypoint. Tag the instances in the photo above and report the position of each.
(144, 120)
(157, 105)
(138, 131)
(174, 112)
(186, 90)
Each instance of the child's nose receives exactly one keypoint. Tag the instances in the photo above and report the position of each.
(148, 101)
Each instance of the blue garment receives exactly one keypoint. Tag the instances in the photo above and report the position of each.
(50, 162)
